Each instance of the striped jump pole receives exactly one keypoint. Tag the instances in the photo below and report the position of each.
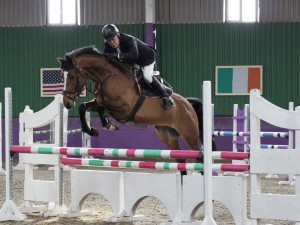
(152, 165)
(230, 155)
(134, 153)
(110, 152)
(247, 134)
(74, 131)
(274, 146)
(37, 132)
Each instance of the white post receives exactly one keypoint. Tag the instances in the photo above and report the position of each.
(296, 141)
(65, 127)
(290, 179)
(2, 172)
(58, 170)
(25, 136)
(255, 142)
(86, 139)
(9, 210)
(207, 140)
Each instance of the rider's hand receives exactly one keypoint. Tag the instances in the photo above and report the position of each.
(111, 55)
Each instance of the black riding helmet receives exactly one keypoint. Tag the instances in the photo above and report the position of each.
(109, 31)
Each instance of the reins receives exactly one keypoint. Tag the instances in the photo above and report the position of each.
(100, 83)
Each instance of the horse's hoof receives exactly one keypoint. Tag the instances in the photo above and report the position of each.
(111, 126)
(94, 132)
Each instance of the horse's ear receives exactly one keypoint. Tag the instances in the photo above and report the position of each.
(61, 60)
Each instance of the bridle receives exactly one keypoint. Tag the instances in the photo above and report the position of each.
(73, 95)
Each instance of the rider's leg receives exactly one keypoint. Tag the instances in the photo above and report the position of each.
(106, 124)
(157, 86)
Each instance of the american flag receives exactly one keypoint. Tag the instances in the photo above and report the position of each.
(51, 82)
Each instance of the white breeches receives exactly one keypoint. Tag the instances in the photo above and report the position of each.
(148, 72)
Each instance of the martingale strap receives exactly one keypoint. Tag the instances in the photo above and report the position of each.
(134, 110)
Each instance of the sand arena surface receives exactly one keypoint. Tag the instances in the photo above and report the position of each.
(153, 210)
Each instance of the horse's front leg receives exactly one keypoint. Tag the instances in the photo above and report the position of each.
(83, 107)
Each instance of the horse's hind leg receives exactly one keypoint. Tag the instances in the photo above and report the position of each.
(170, 138)
(190, 135)
(198, 108)
(106, 124)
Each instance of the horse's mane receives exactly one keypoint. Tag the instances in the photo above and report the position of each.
(89, 50)
(92, 50)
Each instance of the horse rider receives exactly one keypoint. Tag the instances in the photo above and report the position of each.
(132, 50)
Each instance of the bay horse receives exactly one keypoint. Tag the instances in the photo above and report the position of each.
(116, 87)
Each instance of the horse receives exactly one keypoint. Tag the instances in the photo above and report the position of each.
(116, 87)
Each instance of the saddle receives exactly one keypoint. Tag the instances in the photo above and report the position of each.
(144, 87)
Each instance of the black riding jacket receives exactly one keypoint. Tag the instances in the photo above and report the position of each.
(133, 50)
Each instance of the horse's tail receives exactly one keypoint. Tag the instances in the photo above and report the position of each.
(198, 107)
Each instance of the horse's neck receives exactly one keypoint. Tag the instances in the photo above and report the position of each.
(125, 74)
(100, 71)
(99, 68)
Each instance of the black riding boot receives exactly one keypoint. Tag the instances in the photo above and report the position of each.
(160, 90)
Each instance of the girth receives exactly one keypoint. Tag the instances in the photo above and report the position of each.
(134, 110)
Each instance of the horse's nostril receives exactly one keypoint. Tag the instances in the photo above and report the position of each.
(67, 105)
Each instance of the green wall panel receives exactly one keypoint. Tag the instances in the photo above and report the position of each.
(187, 55)
(25, 50)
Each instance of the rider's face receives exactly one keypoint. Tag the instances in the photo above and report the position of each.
(115, 42)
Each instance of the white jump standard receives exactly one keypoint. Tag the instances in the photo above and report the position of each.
(2, 172)
(184, 195)
(152, 185)
(9, 210)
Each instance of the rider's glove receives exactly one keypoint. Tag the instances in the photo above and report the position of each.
(111, 55)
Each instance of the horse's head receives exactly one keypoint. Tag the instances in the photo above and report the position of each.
(87, 63)
(74, 83)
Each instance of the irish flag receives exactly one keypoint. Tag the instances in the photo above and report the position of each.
(238, 80)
